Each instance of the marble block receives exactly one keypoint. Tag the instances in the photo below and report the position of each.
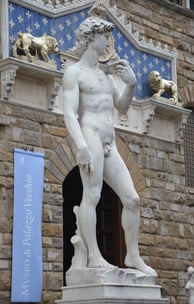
(96, 286)
(85, 276)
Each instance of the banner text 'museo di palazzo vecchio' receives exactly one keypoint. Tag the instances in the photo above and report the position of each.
(27, 219)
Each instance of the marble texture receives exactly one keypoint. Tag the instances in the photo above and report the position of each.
(119, 285)
(126, 276)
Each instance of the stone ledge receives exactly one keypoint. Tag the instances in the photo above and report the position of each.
(112, 293)
(51, 80)
(113, 301)
(155, 117)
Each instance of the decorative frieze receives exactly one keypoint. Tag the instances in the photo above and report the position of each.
(8, 74)
(155, 117)
(30, 84)
(55, 7)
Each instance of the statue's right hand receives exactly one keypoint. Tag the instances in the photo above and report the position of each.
(84, 159)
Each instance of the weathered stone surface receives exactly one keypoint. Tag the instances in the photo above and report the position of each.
(54, 280)
(4, 224)
(5, 297)
(55, 254)
(49, 297)
(47, 241)
(47, 214)
(54, 130)
(51, 229)
(5, 279)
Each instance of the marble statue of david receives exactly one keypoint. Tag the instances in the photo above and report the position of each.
(89, 101)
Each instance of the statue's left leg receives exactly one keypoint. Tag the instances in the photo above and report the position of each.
(118, 178)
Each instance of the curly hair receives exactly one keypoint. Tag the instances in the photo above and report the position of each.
(86, 31)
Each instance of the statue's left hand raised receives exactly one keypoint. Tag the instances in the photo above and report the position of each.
(125, 72)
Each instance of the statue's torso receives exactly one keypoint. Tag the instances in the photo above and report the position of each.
(96, 102)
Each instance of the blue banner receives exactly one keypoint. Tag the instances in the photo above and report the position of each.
(27, 240)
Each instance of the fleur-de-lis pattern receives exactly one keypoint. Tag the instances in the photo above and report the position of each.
(63, 28)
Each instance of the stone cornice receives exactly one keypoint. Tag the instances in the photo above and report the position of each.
(10, 68)
(55, 10)
(56, 7)
(145, 116)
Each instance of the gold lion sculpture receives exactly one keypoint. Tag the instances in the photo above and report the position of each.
(160, 86)
(36, 46)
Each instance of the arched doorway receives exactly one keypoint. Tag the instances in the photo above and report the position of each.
(109, 232)
(72, 194)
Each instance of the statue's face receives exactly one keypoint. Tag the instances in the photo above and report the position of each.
(100, 43)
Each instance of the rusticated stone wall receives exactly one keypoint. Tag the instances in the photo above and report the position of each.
(167, 209)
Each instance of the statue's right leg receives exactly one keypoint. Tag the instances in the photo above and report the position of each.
(92, 185)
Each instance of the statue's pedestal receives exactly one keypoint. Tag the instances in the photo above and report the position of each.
(119, 286)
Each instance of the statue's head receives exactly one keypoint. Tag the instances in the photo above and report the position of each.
(92, 25)
(87, 30)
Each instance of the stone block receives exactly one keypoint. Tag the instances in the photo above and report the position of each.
(147, 213)
(58, 242)
(47, 241)
(140, 185)
(170, 288)
(57, 267)
(5, 120)
(5, 297)
(5, 251)
(54, 280)
(4, 264)
(50, 229)
(55, 255)
(32, 138)
(5, 279)
(6, 169)
(4, 224)
(47, 214)
(55, 130)
(7, 239)
(146, 239)
(49, 297)
(49, 141)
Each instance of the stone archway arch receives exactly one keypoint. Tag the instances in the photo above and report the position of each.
(63, 161)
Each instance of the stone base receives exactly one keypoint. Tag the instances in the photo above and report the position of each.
(119, 286)
(112, 293)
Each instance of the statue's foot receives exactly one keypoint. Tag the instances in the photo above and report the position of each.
(99, 262)
(138, 263)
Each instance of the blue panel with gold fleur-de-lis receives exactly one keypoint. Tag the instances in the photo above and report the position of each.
(63, 28)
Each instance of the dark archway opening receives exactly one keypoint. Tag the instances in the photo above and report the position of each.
(109, 232)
